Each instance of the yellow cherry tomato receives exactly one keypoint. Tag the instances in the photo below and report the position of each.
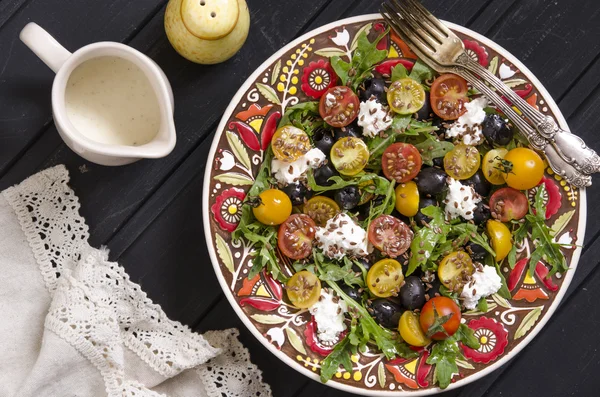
(407, 198)
(500, 238)
(321, 209)
(410, 329)
(406, 96)
(349, 155)
(385, 278)
(454, 268)
(462, 162)
(492, 166)
(289, 143)
(303, 289)
(527, 168)
(274, 208)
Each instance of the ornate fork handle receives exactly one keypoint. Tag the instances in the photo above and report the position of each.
(570, 147)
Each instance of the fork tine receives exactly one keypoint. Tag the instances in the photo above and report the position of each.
(414, 25)
(412, 6)
(399, 25)
(430, 17)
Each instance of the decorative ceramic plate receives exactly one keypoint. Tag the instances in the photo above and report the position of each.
(300, 72)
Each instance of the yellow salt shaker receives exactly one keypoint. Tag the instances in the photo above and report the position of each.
(207, 31)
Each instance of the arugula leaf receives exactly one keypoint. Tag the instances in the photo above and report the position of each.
(341, 68)
(339, 356)
(399, 72)
(421, 72)
(426, 238)
(337, 272)
(467, 336)
(379, 184)
(482, 305)
(386, 207)
(443, 355)
(304, 115)
(433, 148)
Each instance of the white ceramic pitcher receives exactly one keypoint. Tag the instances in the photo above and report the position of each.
(62, 62)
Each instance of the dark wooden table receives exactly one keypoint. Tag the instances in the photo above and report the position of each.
(149, 213)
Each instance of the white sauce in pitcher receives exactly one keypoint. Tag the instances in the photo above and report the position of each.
(111, 101)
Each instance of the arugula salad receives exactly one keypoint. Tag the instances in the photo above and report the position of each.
(386, 206)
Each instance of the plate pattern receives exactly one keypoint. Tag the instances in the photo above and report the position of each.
(303, 73)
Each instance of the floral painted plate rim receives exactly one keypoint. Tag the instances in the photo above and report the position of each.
(208, 229)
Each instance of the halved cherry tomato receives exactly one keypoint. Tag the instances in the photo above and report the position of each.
(274, 207)
(385, 278)
(296, 235)
(443, 307)
(303, 289)
(289, 143)
(448, 96)
(406, 96)
(349, 155)
(407, 198)
(507, 204)
(492, 166)
(410, 330)
(500, 238)
(321, 209)
(339, 106)
(527, 168)
(401, 162)
(462, 162)
(390, 235)
(454, 270)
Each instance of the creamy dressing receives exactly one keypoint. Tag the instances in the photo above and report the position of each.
(111, 101)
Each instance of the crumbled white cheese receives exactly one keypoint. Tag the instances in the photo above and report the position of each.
(485, 282)
(468, 126)
(287, 173)
(328, 313)
(330, 100)
(461, 200)
(341, 236)
(373, 117)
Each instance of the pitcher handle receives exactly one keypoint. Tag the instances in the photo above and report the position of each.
(44, 46)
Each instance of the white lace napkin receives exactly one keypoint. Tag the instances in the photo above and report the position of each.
(73, 324)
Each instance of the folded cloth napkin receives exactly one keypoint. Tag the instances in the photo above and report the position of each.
(73, 324)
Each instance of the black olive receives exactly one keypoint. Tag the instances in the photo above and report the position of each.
(352, 129)
(323, 140)
(365, 209)
(352, 293)
(412, 293)
(386, 313)
(496, 130)
(434, 290)
(363, 261)
(298, 193)
(347, 197)
(431, 181)
(442, 125)
(439, 162)
(479, 183)
(373, 87)
(323, 173)
(423, 203)
(481, 213)
(477, 252)
(425, 113)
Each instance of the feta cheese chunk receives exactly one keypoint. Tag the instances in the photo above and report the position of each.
(328, 313)
(485, 283)
(373, 117)
(287, 173)
(341, 236)
(468, 126)
(461, 200)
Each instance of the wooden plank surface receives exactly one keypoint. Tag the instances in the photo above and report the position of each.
(149, 213)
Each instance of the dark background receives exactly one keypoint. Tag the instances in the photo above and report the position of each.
(149, 213)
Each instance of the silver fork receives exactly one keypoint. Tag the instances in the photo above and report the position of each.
(436, 41)
(556, 162)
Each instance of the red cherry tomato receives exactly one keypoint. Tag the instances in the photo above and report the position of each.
(401, 162)
(296, 235)
(508, 204)
(443, 306)
(448, 96)
(390, 235)
(339, 106)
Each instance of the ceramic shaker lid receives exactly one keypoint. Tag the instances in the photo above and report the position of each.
(209, 19)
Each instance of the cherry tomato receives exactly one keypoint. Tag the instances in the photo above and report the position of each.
(401, 162)
(339, 106)
(349, 155)
(274, 208)
(507, 204)
(407, 198)
(492, 166)
(454, 269)
(448, 96)
(390, 235)
(443, 307)
(462, 162)
(410, 330)
(527, 168)
(290, 143)
(296, 235)
(385, 278)
(321, 209)
(303, 289)
(500, 238)
(406, 96)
